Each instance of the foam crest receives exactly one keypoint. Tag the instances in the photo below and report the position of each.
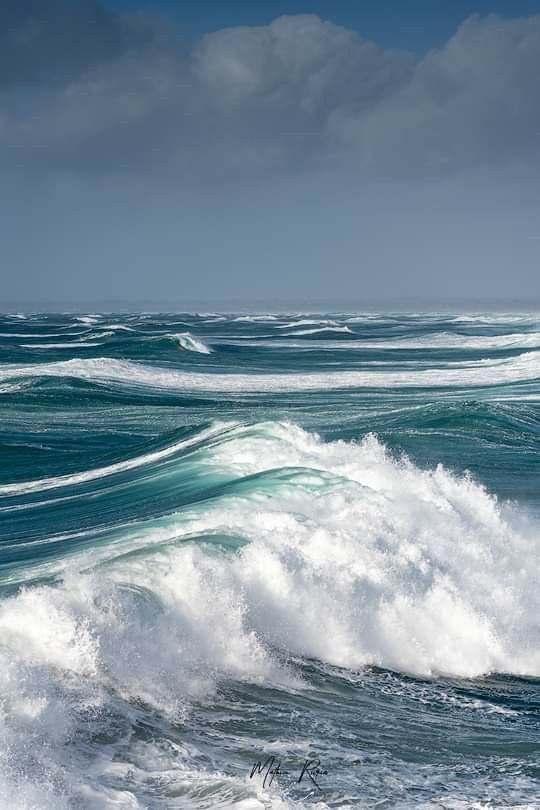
(446, 340)
(80, 344)
(255, 318)
(521, 368)
(189, 343)
(307, 322)
(319, 330)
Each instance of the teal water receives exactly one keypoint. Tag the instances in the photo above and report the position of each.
(226, 538)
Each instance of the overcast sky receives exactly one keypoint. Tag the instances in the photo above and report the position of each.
(149, 154)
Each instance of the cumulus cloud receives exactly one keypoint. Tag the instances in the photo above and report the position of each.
(473, 102)
(89, 90)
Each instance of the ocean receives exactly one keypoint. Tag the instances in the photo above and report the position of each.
(270, 561)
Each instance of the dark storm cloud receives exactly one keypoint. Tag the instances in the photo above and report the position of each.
(57, 40)
(85, 89)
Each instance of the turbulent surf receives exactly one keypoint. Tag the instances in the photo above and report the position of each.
(311, 544)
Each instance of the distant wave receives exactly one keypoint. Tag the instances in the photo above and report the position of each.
(449, 340)
(189, 343)
(523, 367)
(307, 322)
(318, 331)
(41, 335)
(254, 318)
(440, 340)
(496, 318)
(437, 340)
(79, 344)
(117, 327)
(98, 335)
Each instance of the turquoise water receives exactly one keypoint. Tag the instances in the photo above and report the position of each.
(227, 538)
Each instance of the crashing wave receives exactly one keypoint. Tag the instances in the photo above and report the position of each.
(351, 556)
(348, 555)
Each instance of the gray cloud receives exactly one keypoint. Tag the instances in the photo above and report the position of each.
(58, 40)
(88, 90)
(474, 102)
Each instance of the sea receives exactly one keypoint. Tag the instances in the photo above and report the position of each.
(269, 561)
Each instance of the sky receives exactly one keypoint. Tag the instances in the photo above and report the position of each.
(232, 153)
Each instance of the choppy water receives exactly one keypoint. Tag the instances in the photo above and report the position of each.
(227, 538)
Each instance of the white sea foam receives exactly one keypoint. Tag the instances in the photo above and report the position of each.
(523, 367)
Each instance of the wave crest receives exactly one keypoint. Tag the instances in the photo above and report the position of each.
(189, 343)
(520, 368)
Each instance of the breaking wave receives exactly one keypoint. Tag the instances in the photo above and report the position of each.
(186, 341)
(338, 552)
(521, 368)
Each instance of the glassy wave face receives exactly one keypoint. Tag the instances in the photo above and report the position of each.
(232, 538)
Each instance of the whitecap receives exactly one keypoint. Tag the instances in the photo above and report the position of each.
(489, 372)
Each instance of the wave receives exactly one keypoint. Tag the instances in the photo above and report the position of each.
(450, 340)
(117, 327)
(496, 318)
(319, 330)
(307, 322)
(189, 343)
(98, 335)
(40, 335)
(350, 556)
(79, 344)
(435, 340)
(521, 368)
(254, 318)
(25, 487)
(90, 320)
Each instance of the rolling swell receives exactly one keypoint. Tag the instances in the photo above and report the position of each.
(523, 368)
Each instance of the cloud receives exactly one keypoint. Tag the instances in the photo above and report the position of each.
(91, 91)
(58, 40)
(474, 102)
